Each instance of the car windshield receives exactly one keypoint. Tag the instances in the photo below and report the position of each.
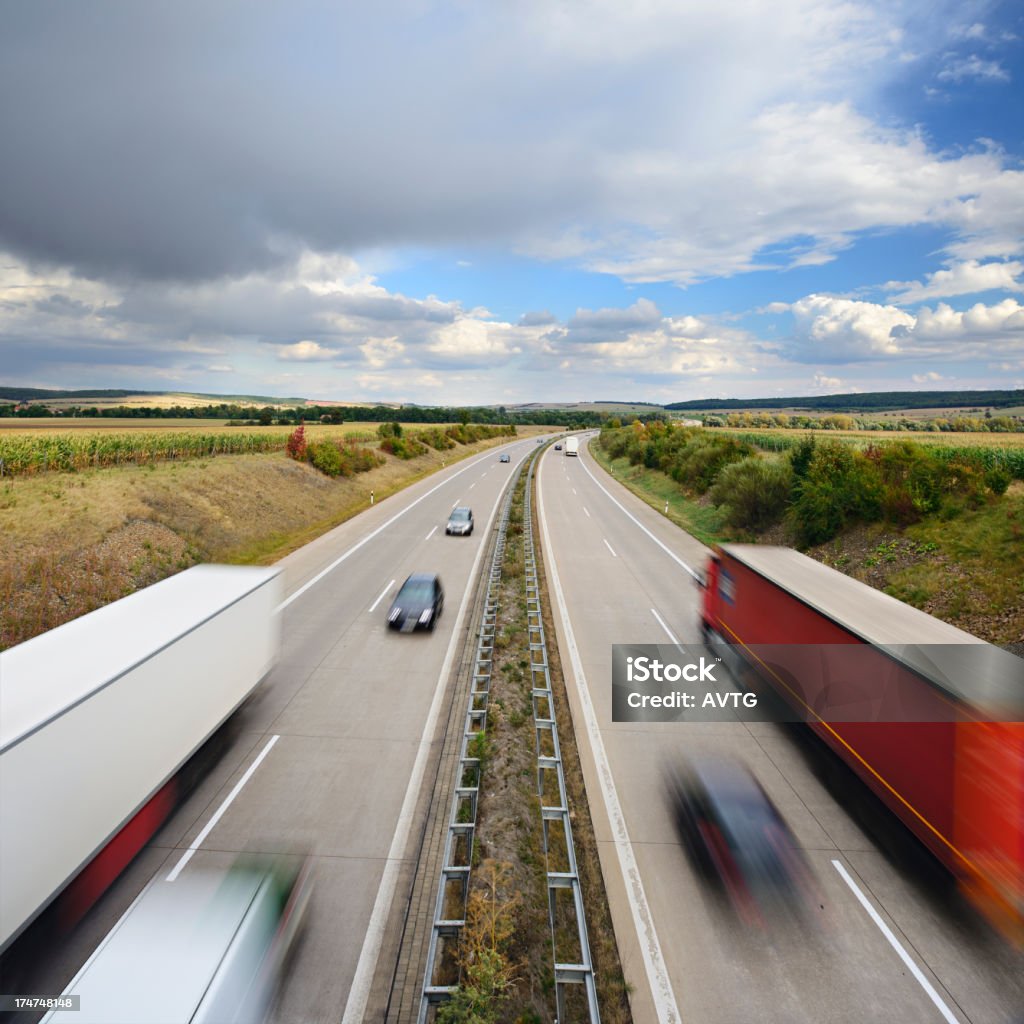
(416, 590)
(460, 515)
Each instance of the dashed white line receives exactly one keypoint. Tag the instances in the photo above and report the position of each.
(388, 587)
(585, 510)
(940, 1004)
(661, 622)
(373, 533)
(610, 548)
(198, 841)
(433, 530)
(671, 554)
(471, 486)
(574, 490)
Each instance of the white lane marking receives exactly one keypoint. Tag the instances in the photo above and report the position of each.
(574, 490)
(471, 486)
(429, 535)
(670, 553)
(359, 992)
(585, 510)
(610, 548)
(198, 841)
(940, 1004)
(388, 587)
(661, 622)
(373, 533)
(650, 948)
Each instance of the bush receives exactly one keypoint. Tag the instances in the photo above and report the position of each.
(754, 492)
(326, 456)
(296, 444)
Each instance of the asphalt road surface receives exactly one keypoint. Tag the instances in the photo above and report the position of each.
(341, 735)
(884, 938)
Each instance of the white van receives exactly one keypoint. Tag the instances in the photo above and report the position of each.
(206, 948)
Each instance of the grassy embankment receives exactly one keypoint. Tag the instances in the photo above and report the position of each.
(77, 540)
(961, 560)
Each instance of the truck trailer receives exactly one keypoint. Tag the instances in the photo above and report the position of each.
(930, 718)
(572, 446)
(99, 716)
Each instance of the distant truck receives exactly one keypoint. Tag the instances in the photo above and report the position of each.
(572, 446)
(98, 718)
(928, 716)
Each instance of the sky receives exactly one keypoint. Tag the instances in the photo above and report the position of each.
(451, 202)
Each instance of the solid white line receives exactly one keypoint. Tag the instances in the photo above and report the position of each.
(647, 936)
(610, 548)
(198, 841)
(359, 991)
(585, 510)
(661, 622)
(373, 533)
(388, 587)
(670, 553)
(433, 530)
(940, 1004)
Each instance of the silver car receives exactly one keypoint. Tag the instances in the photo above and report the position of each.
(460, 522)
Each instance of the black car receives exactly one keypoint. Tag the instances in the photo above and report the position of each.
(558, 447)
(418, 604)
(504, 458)
(460, 522)
(737, 836)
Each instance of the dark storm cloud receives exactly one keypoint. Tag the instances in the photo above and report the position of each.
(191, 140)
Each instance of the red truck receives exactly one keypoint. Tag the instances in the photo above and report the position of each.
(949, 763)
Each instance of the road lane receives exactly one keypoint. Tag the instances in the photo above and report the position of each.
(843, 968)
(350, 702)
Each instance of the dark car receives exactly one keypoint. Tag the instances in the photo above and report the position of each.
(460, 522)
(504, 458)
(558, 447)
(418, 604)
(736, 835)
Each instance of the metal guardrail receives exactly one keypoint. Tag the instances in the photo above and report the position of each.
(458, 846)
(558, 843)
(557, 827)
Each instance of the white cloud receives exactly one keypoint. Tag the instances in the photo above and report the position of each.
(975, 68)
(927, 378)
(829, 383)
(960, 279)
(838, 330)
(306, 351)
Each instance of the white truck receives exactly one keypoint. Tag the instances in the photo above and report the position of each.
(98, 716)
(572, 446)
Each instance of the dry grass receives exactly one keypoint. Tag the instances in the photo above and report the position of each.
(75, 541)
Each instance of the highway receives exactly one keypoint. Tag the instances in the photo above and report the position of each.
(333, 746)
(334, 751)
(888, 939)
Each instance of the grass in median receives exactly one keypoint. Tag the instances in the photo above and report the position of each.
(702, 520)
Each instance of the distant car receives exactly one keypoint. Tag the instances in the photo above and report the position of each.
(735, 833)
(558, 447)
(460, 522)
(504, 458)
(540, 440)
(418, 604)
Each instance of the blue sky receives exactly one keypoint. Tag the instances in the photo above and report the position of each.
(444, 202)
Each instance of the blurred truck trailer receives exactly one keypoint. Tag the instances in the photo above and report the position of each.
(928, 716)
(98, 716)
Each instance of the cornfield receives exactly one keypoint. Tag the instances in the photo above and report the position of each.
(28, 454)
(987, 456)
